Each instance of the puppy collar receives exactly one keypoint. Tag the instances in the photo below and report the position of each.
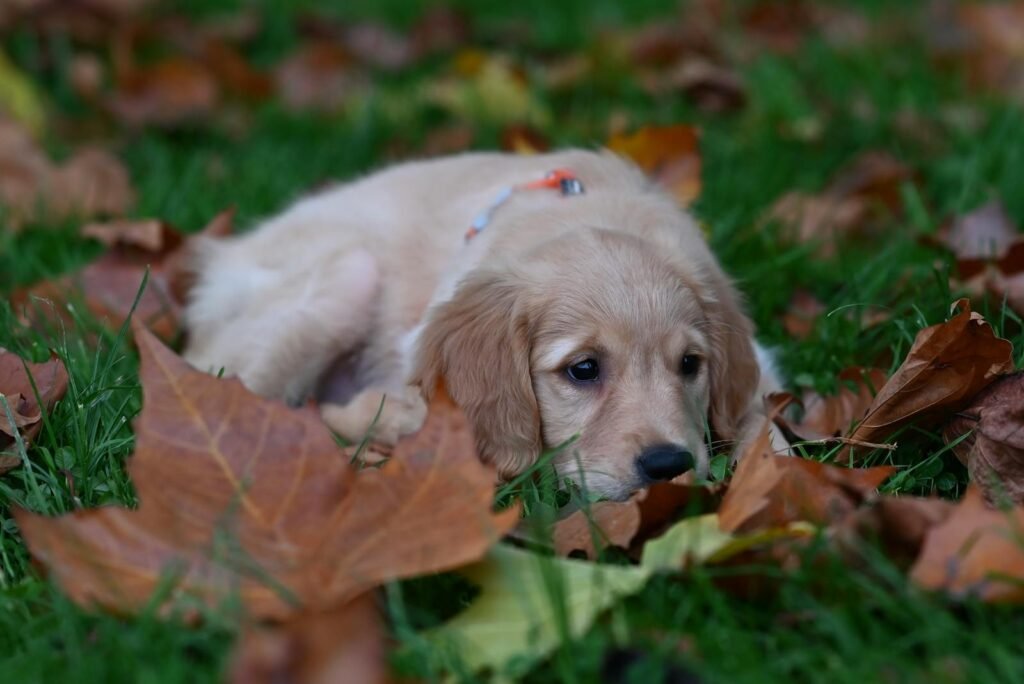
(563, 180)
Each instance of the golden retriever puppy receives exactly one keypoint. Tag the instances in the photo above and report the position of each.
(582, 310)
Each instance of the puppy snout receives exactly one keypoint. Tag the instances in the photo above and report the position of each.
(664, 461)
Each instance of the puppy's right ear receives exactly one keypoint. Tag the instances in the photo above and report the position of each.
(478, 344)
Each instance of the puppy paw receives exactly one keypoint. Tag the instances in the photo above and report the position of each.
(400, 414)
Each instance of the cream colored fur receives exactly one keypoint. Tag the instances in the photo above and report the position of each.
(369, 289)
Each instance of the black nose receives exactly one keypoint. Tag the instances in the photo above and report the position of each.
(664, 461)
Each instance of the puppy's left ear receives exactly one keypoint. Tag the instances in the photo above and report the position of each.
(735, 372)
(478, 343)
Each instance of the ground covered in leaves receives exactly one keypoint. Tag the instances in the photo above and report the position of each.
(855, 165)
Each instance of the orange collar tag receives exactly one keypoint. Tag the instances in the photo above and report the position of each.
(563, 180)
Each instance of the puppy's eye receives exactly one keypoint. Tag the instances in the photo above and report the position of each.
(583, 371)
(690, 365)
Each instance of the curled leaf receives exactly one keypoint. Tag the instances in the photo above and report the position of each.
(946, 366)
(993, 449)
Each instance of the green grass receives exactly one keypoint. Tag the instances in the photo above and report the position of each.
(828, 623)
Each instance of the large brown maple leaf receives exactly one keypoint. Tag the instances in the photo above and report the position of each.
(243, 496)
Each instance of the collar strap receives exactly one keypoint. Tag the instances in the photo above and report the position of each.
(562, 180)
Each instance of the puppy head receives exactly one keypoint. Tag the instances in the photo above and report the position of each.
(598, 340)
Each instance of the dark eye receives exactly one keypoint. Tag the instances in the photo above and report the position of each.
(690, 365)
(583, 371)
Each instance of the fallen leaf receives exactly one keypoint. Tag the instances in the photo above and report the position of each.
(777, 25)
(946, 366)
(826, 417)
(8, 463)
(607, 523)
(770, 491)
(171, 92)
(487, 88)
(669, 154)
(522, 139)
(995, 49)
(317, 76)
(233, 72)
(90, 182)
(19, 97)
(865, 187)
(898, 524)
(975, 552)
(989, 252)
(242, 496)
(440, 28)
(702, 539)
(108, 286)
(802, 312)
(522, 601)
(150, 235)
(527, 601)
(25, 405)
(448, 140)
(981, 235)
(378, 45)
(993, 449)
(628, 524)
(346, 644)
(712, 87)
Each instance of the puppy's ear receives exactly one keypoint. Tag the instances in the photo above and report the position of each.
(735, 372)
(478, 343)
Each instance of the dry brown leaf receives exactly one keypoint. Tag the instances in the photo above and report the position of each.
(607, 523)
(233, 72)
(994, 450)
(978, 236)
(170, 92)
(769, 491)
(440, 29)
(947, 365)
(977, 551)
(669, 154)
(88, 19)
(346, 644)
(712, 87)
(825, 417)
(91, 182)
(523, 139)
(989, 252)
(319, 75)
(51, 381)
(628, 524)
(149, 235)
(995, 50)
(243, 496)
(108, 286)
(448, 140)
(378, 45)
(869, 183)
(898, 524)
(801, 313)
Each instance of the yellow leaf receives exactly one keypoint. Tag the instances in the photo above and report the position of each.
(19, 97)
